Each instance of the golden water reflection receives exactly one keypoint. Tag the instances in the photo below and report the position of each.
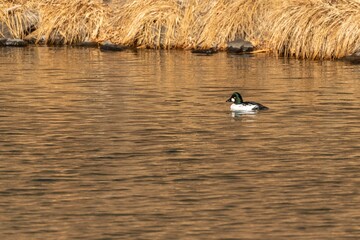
(141, 145)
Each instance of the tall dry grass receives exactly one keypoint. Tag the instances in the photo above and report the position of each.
(69, 22)
(316, 29)
(221, 21)
(150, 23)
(16, 19)
(186, 24)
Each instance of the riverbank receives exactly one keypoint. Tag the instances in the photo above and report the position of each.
(317, 29)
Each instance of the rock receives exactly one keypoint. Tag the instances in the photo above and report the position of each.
(240, 46)
(353, 58)
(12, 42)
(109, 46)
(206, 51)
(3, 41)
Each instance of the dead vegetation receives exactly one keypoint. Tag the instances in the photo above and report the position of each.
(69, 22)
(147, 23)
(16, 20)
(316, 29)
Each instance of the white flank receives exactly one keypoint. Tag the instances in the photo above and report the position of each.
(243, 108)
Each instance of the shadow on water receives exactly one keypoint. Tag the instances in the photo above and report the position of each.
(142, 145)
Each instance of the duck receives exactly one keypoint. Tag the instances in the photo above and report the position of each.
(239, 105)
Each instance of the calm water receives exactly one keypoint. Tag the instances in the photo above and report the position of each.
(141, 145)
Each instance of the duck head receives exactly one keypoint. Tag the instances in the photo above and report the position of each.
(235, 98)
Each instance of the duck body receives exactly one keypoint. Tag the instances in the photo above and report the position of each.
(238, 105)
(247, 106)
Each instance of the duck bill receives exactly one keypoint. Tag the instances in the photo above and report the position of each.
(229, 100)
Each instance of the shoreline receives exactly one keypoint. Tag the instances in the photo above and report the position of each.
(318, 29)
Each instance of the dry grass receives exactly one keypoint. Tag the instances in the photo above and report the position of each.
(221, 21)
(69, 22)
(16, 19)
(147, 23)
(316, 29)
(185, 24)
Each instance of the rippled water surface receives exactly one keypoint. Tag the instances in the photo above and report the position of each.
(141, 145)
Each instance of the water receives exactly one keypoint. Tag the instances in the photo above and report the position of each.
(141, 145)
